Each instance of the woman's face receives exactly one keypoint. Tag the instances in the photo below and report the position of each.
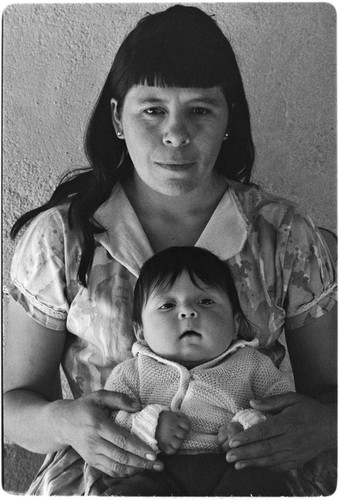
(173, 135)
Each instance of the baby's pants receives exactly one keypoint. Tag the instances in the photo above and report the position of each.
(200, 475)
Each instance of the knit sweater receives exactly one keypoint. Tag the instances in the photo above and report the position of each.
(209, 394)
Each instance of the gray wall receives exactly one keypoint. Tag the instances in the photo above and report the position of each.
(56, 58)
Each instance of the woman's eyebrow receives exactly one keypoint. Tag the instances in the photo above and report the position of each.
(199, 99)
(150, 100)
(205, 100)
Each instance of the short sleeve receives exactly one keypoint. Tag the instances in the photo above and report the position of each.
(309, 277)
(38, 271)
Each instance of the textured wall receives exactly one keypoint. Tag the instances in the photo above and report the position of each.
(56, 57)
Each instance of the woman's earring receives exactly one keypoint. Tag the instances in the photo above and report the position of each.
(119, 134)
(225, 136)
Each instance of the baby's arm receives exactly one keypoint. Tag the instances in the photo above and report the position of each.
(125, 378)
(160, 428)
(155, 424)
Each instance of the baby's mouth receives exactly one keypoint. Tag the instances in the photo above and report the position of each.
(189, 333)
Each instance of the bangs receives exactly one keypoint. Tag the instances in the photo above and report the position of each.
(174, 52)
(165, 281)
(174, 66)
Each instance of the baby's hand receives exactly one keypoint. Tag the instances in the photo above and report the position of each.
(242, 420)
(226, 432)
(171, 431)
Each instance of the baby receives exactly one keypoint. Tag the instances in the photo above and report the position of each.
(193, 375)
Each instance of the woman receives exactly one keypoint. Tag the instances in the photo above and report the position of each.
(171, 153)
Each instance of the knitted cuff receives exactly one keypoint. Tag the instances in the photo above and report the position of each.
(145, 422)
(248, 418)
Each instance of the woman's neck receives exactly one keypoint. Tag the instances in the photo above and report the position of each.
(201, 200)
(174, 220)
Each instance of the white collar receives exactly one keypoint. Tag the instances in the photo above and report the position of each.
(139, 348)
(224, 235)
(124, 237)
(238, 344)
(226, 232)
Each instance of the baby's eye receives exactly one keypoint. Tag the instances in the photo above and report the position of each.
(206, 302)
(167, 305)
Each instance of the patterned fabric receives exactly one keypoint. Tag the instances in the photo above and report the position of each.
(282, 270)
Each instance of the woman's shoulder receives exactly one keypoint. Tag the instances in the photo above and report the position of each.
(51, 224)
(55, 216)
(49, 237)
(253, 196)
(258, 204)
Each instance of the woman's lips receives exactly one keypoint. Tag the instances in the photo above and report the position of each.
(175, 165)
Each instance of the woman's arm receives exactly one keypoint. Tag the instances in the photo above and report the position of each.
(304, 424)
(32, 357)
(313, 353)
(38, 421)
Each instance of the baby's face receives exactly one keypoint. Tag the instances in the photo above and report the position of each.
(188, 324)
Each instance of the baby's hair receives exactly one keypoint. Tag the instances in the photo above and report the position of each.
(161, 271)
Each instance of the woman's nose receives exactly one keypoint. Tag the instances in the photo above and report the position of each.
(176, 134)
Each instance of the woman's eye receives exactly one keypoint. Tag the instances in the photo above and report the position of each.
(153, 111)
(167, 305)
(206, 302)
(200, 111)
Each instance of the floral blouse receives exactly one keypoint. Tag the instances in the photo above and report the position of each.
(282, 269)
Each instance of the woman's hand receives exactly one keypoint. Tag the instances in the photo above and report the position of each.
(85, 424)
(300, 429)
(172, 429)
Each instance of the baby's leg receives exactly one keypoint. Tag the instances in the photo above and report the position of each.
(252, 481)
(197, 475)
(210, 475)
(148, 483)
(184, 475)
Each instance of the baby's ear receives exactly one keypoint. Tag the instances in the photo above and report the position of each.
(138, 332)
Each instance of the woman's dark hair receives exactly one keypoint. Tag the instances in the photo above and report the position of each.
(179, 47)
(160, 272)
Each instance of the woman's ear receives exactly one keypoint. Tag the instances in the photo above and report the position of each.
(138, 332)
(116, 119)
